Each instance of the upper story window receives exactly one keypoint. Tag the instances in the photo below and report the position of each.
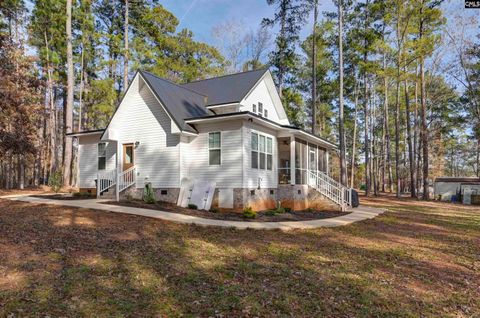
(102, 155)
(214, 148)
(260, 109)
(254, 108)
(261, 152)
(265, 112)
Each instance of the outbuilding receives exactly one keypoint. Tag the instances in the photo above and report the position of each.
(446, 187)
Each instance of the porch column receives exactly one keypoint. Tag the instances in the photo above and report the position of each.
(327, 166)
(292, 160)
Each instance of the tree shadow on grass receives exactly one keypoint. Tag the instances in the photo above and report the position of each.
(78, 262)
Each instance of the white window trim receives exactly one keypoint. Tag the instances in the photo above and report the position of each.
(219, 148)
(259, 152)
(104, 156)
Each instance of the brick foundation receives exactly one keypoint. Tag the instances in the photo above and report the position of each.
(296, 197)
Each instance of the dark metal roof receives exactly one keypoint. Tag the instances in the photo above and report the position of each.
(86, 132)
(180, 102)
(227, 89)
(458, 179)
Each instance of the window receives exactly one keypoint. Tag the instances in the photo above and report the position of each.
(269, 153)
(260, 109)
(254, 150)
(214, 149)
(261, 149)
(262, 152)
(102, 156)
(265, 112)
(254, 108)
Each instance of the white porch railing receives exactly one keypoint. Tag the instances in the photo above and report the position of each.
(126, 178)
(330, 188)
(106, 180)
(121, 181)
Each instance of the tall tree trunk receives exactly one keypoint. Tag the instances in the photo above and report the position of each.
(397, 132)
(125, 55)
(343, 165)
(365, 106)
(21, 172)
(314, 67)
(52, 121)
(67, 162)
(416, 149)
(387, 127)
(80, 94)
(354, 141)
(477, 173)
(411, 157)
(424, 130)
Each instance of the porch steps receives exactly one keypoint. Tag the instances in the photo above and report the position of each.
(111, 183)
(331, 189)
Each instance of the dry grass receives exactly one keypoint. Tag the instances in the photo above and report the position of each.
(418, 259)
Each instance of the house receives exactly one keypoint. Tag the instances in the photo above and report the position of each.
(446, 187)
(232, 130)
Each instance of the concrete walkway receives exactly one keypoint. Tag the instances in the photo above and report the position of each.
(357, 214)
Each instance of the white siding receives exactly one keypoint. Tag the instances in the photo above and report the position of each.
(251, 175)
(140, 118)
(88, 159)
(262, 94)
(195, 155)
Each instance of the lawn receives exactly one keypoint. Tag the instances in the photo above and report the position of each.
(418, 259)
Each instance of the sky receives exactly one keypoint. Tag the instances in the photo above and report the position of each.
(201, 16)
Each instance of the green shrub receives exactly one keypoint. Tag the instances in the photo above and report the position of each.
(288, 210)
(82, 194)
(280, 210)
(276, 211)
(192, 206)
(271, 212)
(214, 210)
(55, 181)
(310, 210)
(248, 213)
(148, 195)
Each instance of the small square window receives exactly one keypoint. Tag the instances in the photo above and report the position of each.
(163, 192)
(252, 192)
(272, 192)
(265, 112)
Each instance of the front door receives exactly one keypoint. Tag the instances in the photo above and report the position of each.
(128, 156)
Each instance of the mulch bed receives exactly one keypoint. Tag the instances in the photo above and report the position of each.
(62, 196)
(231, 215)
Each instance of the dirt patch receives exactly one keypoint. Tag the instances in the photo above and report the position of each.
(232, 215)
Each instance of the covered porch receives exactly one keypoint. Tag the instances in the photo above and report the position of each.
(297, 157)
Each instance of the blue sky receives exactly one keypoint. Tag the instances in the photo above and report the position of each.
(201, 16)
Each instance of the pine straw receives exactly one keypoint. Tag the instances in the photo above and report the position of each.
(418, 259)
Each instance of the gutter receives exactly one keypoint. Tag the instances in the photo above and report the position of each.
(250, 115)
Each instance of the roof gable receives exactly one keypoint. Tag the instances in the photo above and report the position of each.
(179, 102)
(227, 89)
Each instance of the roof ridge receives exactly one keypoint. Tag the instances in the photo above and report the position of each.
(226, 75)
(173, 83)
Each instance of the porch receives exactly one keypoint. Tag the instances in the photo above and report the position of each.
(298, 159)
